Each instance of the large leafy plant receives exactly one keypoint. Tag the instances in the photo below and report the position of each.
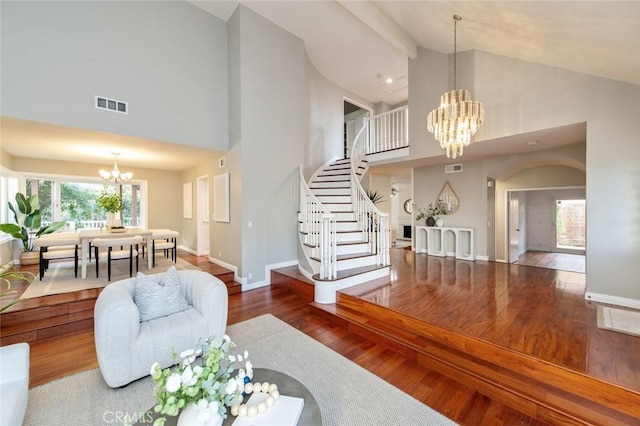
(28, 221)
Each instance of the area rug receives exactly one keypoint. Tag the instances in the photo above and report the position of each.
(621, 320)
(347, 394)
(60, 277)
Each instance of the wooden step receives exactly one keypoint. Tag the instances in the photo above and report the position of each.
(45, 317)
(548, 392)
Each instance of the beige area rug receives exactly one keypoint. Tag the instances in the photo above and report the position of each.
(621, 320)
(347, 394)
(60, 276)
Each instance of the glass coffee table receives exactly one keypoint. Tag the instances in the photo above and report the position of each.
(287, 385)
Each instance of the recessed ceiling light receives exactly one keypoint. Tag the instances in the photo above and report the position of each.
(389, 80)
(532, 142)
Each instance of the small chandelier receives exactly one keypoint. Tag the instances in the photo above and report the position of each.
(115, 175)
(458, 117)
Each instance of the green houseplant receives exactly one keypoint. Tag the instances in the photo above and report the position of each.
(28, 223)
(112, 203)
(431, 213)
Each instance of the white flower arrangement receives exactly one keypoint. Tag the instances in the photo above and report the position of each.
(205, 378)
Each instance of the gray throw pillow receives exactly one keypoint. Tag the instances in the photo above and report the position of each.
(158, 299)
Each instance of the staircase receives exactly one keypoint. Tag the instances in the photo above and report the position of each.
(345, 238)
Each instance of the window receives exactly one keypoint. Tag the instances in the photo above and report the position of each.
(74, 201)
(571, 224)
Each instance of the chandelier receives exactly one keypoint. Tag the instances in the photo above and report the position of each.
(458, 117)
(115, 175)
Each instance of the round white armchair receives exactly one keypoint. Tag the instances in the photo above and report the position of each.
(133, 328)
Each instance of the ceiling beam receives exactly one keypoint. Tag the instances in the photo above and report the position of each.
(382, 25)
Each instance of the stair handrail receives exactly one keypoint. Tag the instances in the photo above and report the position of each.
(372, 223)
(389, 130)
(318, 227)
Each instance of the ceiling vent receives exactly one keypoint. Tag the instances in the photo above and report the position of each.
(453, 168)
(112, 105)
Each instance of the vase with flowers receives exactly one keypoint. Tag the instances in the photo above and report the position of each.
(431, 213)
(113, 205)
(202, 385)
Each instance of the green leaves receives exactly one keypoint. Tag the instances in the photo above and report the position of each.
(28, 220)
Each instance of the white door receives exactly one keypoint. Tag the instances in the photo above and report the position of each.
(514, 227)
(203, 215)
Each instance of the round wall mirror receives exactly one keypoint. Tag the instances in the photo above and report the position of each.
(408, 206)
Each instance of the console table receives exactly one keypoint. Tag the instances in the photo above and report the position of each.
(434, 240)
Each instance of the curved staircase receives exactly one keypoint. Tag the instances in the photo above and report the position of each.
(344, 237)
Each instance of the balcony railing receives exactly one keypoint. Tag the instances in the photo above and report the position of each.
(389, 131)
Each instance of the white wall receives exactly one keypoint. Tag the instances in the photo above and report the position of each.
(168, 60)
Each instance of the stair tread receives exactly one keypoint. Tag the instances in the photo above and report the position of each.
(349, 256)
(352, 272)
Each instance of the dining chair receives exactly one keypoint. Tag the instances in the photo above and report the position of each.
(117, 249)
(167, 241)
(146, 239)
(57, 246)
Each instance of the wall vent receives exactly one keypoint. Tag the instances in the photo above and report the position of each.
(453, 168)
(112, 105)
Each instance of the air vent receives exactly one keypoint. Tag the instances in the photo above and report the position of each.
(112, 105)
(453, 168)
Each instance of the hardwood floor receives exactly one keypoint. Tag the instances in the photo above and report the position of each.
(500, 298)
(560, 261)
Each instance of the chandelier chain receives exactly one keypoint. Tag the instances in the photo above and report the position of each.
(456, 18)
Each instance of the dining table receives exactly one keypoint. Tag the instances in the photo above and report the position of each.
(86, 235)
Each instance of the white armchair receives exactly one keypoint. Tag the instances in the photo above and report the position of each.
(127, 347)
(14, 383)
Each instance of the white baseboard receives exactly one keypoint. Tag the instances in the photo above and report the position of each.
(485, 258)
(612, 300)
(189, 250)
(224, 264)
(267, 274)
(501, 260)
(268, 268)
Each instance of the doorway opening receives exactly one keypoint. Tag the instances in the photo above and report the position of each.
(355, 117)
(571, 225)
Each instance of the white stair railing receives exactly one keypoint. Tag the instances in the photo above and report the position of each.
(372, 223)
(318, 228)
(389, 130)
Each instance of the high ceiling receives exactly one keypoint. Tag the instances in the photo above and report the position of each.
(359, 44)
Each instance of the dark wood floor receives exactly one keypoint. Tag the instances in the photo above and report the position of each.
(500, 297)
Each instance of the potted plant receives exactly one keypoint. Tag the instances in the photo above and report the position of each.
(431, 213)
(112, 203)
(28, 226)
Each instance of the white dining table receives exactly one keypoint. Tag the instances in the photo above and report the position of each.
(86, 235)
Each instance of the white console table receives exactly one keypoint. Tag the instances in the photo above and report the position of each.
(434, 240)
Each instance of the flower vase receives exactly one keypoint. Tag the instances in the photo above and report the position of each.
(111, 219)
(439, 223)
(189, 417)
(431, 221)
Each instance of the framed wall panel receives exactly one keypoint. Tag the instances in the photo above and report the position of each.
(187, 200)
(221, 200)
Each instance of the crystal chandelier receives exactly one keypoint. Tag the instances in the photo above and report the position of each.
(115, 175)
(458, 117)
